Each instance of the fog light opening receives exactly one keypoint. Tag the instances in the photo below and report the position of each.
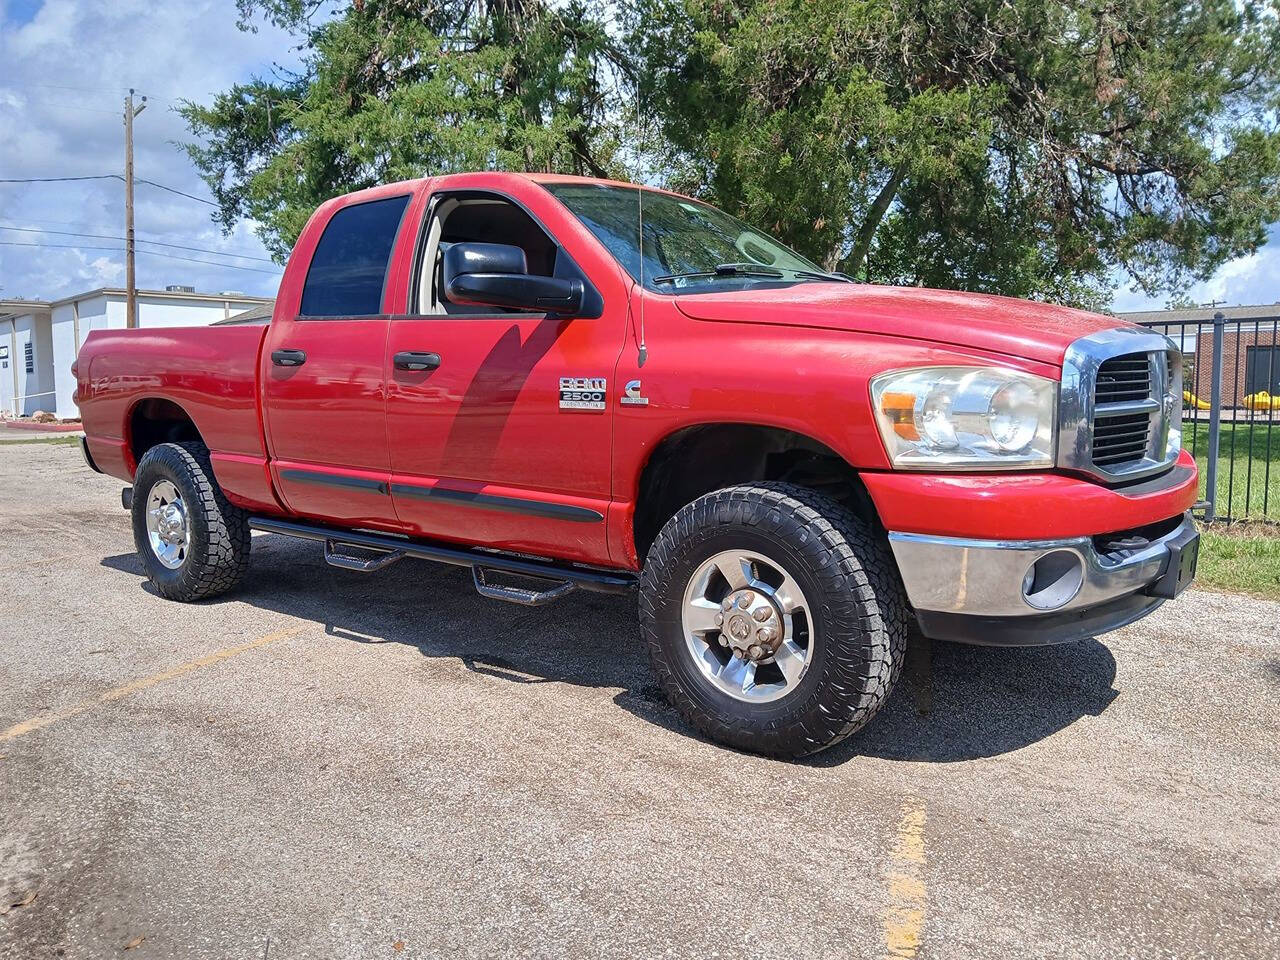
(1053, 580)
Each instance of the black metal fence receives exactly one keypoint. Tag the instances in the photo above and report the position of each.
(1231, 411)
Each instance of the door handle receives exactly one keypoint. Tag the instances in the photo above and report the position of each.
(416, 360)
(288, 358)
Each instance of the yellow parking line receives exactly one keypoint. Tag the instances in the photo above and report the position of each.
(144, 683)
(904, 916)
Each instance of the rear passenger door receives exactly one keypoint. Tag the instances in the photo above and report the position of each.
(324, 386)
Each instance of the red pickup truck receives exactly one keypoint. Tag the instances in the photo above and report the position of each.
(566, 383)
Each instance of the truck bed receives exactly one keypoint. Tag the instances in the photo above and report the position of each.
(210, 372)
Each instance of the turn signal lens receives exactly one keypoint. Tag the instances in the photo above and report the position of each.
(900, 410)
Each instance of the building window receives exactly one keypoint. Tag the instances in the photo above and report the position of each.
(1262, 369)
(29, 351)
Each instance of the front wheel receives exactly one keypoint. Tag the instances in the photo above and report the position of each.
(193, 543)
(774, 618)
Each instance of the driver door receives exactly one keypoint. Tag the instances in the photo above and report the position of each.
(483, 447)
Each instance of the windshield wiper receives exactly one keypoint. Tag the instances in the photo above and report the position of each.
(814, 275)
(753, 270)
(726, 270)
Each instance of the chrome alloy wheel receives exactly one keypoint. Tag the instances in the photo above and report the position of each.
(747, 625)
(167, 528)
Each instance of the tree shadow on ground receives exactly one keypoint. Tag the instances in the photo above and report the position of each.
(986, 701)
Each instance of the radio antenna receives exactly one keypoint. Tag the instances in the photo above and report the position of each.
(643, 353)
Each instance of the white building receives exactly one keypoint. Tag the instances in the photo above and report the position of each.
(39, 340)
(26, 356)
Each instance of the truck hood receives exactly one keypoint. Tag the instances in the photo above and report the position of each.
(1018, 328)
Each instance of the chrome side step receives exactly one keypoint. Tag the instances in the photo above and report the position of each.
(562, 578)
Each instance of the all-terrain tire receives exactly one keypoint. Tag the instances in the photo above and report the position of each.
(848, 575)
(217, 555)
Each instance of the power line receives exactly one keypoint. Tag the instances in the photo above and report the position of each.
(97, 91)
(56, 223)
(209, 263)
(154, 253)
(59, 105)
(106, 176)
(65, 246)
(171, 190)
(158, 243)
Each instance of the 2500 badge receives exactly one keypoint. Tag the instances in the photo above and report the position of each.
(582, 393)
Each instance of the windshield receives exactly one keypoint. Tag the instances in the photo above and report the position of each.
(689, 247)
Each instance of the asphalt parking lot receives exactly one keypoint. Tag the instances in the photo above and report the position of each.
(329, 764)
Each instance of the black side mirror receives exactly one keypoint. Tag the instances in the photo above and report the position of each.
(496, 274)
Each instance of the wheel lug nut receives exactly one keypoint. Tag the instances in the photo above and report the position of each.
(763, 614)
(746, 599)
(765, 634)
(756, 651)
(719, 619)
(727, 604)
(724, 642)
(737, 654)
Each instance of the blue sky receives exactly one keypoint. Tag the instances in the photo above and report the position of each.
(1247, 280)
(67, 67)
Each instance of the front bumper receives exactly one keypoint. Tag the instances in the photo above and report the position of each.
(977, 591)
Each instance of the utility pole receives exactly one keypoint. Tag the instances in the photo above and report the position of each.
(131, 293)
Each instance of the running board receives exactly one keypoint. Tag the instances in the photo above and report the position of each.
(563, 577)
(335, 557)
(523, 595)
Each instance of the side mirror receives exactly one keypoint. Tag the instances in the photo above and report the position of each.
(496, 274)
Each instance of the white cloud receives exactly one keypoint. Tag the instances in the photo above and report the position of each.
(108, 272)
(68, 65)
(1251, 279)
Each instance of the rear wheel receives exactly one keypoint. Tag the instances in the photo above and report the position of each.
(193, 542)
(774, 618)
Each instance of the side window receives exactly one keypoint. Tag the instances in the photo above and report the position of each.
(349, 267)
(477, 218)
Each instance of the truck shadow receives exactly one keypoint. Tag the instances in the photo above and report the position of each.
(987, 701)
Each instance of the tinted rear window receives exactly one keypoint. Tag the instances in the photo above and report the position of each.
(350, 263)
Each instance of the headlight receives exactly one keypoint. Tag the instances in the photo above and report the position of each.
(975, 418)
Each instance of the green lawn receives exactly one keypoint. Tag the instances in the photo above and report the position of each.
(1248, 488)
(1241, 558)
(9, 442)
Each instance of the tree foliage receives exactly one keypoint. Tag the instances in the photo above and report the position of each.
(393, 89)
(1027, 147)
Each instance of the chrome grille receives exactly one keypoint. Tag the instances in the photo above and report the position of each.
(1123, 378)
(1118, 408)
(1125, 437)
(1121, 439)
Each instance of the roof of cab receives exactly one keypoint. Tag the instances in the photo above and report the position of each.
(400, 186)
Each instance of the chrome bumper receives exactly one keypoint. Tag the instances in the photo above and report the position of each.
(984, 579)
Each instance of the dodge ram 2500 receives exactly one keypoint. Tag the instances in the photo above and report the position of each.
(565, 384)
